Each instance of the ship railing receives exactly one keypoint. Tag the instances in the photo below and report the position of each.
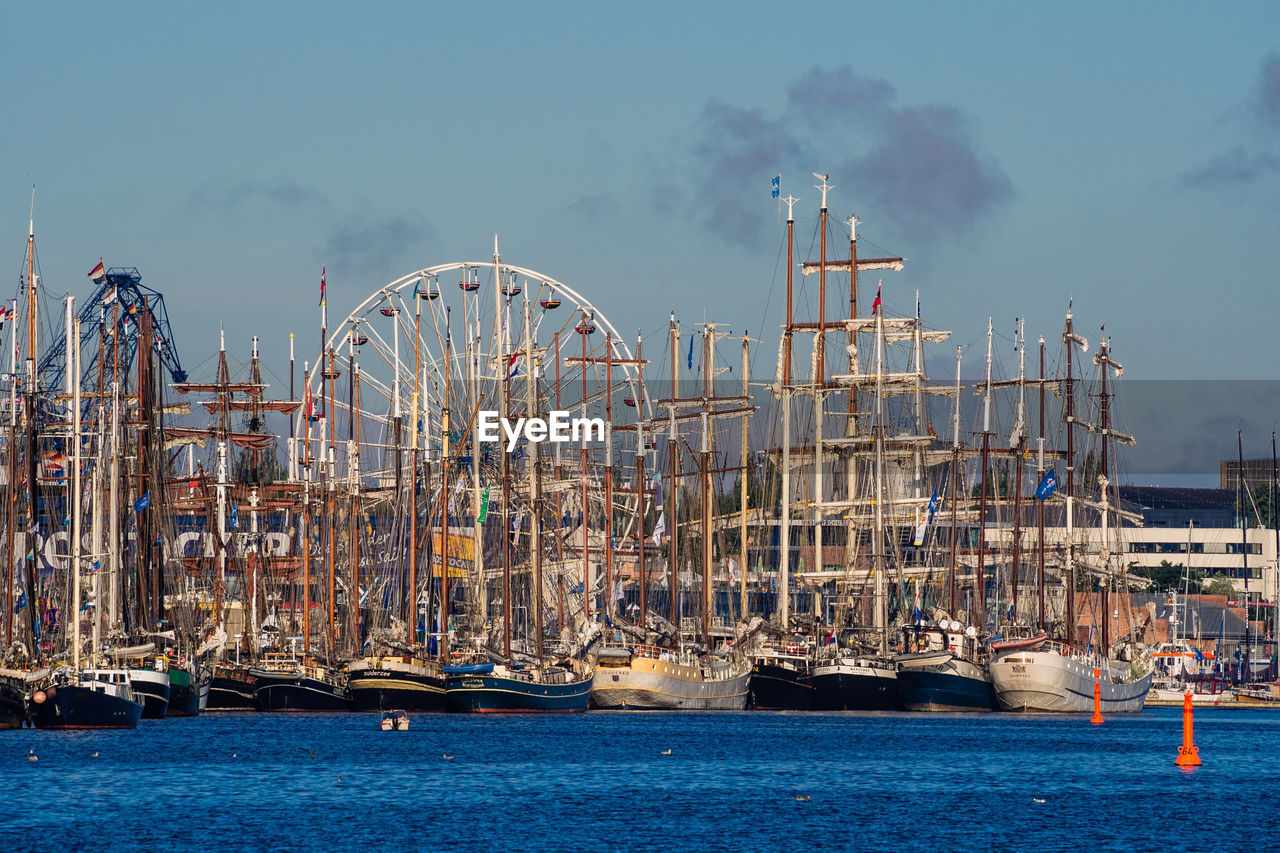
(654, 652)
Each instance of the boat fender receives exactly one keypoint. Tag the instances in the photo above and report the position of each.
(39, 697)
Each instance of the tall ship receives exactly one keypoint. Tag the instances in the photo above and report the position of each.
(782, 675)
(284, 681)
(1041, 673)
(681, 663)
(87, 699)
(943, 668)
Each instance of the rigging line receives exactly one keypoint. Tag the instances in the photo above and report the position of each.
(764, 313)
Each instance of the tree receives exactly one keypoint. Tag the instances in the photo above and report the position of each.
(1218, 585)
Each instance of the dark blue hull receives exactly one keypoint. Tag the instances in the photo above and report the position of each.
(496, 694)
(777, 688)
(13, 706)
(942, 691)
(184, 700)
(851, 692)
(72, 707)
(154, 698)
(232, 693)
(297, 693)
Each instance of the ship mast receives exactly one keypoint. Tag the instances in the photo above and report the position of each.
(979, 592)
(33, 488)
(1018, 442)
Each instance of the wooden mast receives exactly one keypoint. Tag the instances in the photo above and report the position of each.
(1040, 469)
(742, 488)
(979, 592)
(330, 520)
(608, 473)
(445, 466)
(11, 462)
(955, 490)
(704, 475)
(306, 514)
(33, 488)
(642, 568)
(673, 464)
(1069, 340)
(1018, 447)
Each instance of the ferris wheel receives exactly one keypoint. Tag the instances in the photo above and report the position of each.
(444, 344)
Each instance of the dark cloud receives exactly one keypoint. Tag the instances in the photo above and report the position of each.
(593, 208)
(821, 95)
(1254, 161)
(735, 153)
(236, 195)
(917, 165)
(926, 174)
(1268, 104)
(372, 243)
(1236, 167)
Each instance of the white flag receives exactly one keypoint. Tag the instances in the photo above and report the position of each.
(660, 529)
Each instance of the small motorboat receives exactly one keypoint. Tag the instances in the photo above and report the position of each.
(394, 721)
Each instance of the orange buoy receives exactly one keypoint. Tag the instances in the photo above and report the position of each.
(1188, 753)
(1096, 719)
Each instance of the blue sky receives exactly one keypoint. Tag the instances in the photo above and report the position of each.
(1014, 153)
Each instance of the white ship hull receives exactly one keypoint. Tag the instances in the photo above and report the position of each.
(649, 684)
(1053, 681)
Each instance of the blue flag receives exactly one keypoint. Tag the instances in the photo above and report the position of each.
(234, 515)
(777, 186)
(690, 357)
(933, 504)
(143, 502)
(1048, 484)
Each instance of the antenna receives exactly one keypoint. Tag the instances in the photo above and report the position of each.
(824, 186)
(790, 200)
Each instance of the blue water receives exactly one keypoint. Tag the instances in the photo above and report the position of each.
(598, 781)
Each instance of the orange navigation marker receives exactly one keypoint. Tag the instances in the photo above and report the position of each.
(1096, 719)
(1188, 753)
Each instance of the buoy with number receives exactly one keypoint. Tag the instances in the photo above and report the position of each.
(1096, 719)
(1188, 753)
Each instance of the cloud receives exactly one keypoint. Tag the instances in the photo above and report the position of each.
(917, 165)
(1268, 103)
(369, 243)
(1255, 161)
(926, 174)
(233, 196)
(1235, 167)
(593, 208)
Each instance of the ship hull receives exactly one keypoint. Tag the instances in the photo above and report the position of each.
(289, 692)
(933, 682)
(185, 694)
(388, 686)
(74, 707)
(152, 689)
(856, 686)
(653, 685)
(231, 690)
(13, 706)
(487, 694)
(780, 688)
(1052, 682)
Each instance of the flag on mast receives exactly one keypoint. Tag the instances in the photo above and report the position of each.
(875, 306)
(1048, 484)
(322, 285)
(98, 273)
